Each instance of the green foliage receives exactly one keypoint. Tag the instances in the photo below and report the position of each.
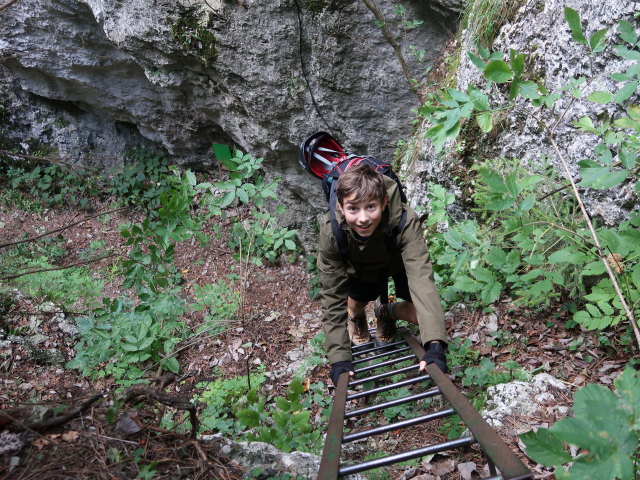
(255, 234)
(142, 181)
(285, 423)
(53, 185)
(221, 304)
(219, 398)
(119, 337)
(530, 245)
(605, 427)
(63, 287)
(197, 37)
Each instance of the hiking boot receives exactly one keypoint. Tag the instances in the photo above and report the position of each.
(358, 328)
(386, 329)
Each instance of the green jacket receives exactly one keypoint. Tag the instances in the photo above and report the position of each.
(370, 260)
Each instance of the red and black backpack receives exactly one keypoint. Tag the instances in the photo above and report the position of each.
(323, 157)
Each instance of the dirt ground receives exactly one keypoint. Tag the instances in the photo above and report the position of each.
(36, 385)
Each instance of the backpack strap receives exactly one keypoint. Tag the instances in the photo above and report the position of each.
(391, 240)
(338, 233)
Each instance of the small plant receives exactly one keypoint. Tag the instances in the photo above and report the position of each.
(605, 427)
(221, 304)
(285, 423)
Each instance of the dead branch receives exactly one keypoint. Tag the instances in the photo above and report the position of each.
(84, 262)
(33, 239)
(62, 419)
(596, 241)
(7, 5)
(387, 34)
(138, 393)
(55, 161)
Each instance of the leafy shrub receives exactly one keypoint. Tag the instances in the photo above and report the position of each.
(221, 304)
(605, 427)
(119, 337)
(286, 423)
(219, 398)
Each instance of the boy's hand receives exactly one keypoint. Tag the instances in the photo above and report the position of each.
(338, 368)
(434, 354)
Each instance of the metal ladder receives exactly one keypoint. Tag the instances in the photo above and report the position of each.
(503, 463)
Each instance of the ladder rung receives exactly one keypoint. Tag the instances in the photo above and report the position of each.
(380, 355)
(401, 457)
(401, 424)
(386, 388)
(387, 345)
(357, 349)
(380, 376)
(393, 403)
(386, 363)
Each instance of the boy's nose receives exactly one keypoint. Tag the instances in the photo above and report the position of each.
(362, 216)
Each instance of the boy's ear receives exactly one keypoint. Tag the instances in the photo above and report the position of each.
(339, 205)
(384, 202)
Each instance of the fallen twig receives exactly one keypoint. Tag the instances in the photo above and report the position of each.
(137, 393)
(62, 419)
(39, 270)
(32, 239)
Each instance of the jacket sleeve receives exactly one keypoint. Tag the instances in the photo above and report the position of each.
(424, 294)
(333, 277)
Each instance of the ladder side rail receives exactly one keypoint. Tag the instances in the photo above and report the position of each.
(510, 466)
(330, 461)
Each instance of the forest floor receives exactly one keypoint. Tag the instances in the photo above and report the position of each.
(278, 317)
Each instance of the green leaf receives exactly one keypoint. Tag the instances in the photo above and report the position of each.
(289, 244)
(628, 388)
(498, 71)
(597, 41)
(477, 61)
(585, 123)
(625, 92)
(601, 178)
(227, 199)
(221, 152)
(573, 19)
(485, 122)
(249, 418)
(479, 99)
(566, 255)
(603, 154)
(517, 62)
(171, 364)
(601, 97)
(545, 448)
(467, 284)
(627, 32)
(458, 96)
(528, 90)
(627, 157)
(242, 195)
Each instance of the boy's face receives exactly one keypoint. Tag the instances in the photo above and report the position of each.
(362, 216)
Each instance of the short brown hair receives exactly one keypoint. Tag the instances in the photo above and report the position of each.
(362, 180)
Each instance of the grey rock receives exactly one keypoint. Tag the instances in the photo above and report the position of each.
(554, 58)
(10, 442)
(95, 78)
(270, 460)
(520, 398)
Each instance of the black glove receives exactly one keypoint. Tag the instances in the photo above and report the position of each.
(339, 367)
(435, 354)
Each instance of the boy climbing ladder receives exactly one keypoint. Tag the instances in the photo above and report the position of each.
(368, 236)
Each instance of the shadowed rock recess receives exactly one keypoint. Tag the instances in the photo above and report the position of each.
(94, 78)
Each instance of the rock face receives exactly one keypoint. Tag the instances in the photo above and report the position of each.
(539, 30)
(94, 78)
